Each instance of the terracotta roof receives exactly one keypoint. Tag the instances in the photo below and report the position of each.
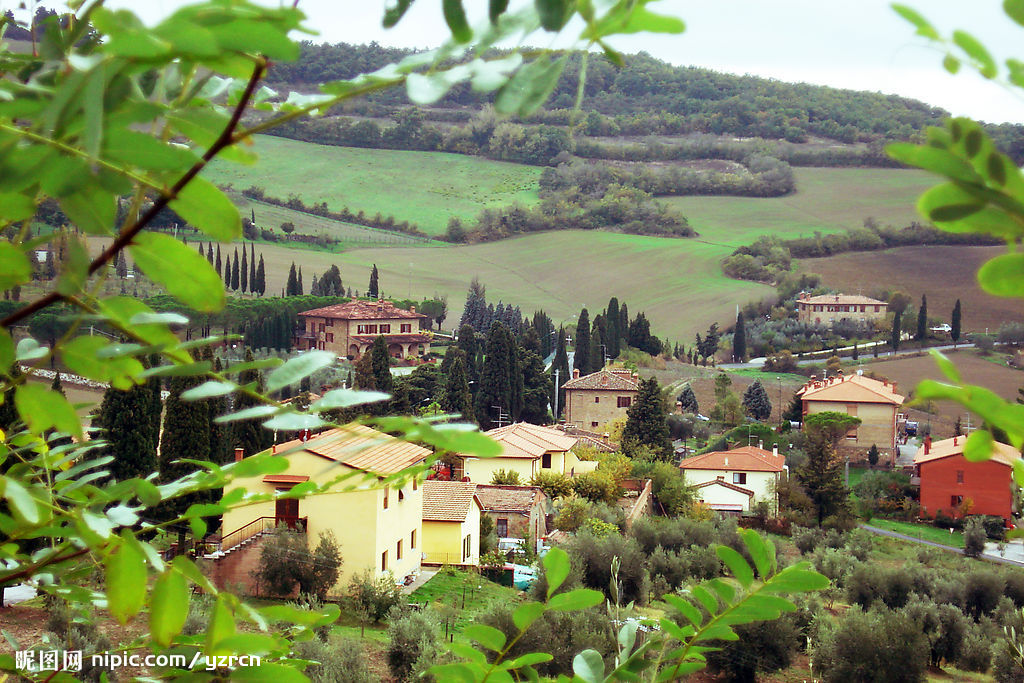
(851, 389)
(592, 439)
(525, 440)
(362, 448)
(362, 310)
(495, 498)
(1001, 452)
(447, 501)
(745, 459)
(841, 299)
(722, 482)
(285, 478)
(390, 338)
(604, 380)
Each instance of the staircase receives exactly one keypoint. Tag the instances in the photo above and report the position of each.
(238, 557)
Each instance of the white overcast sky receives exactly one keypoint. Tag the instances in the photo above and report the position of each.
(862, 45)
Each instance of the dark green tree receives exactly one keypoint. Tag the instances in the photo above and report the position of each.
(646, 423)
(220, 433)
(708, 346)
(954, 323)
(252, 267)
(467, 341)
(537, 388)
(56, 384)
(249, 435)
(821, 477)
(235, 270)
(688, 400)
(291, 288)
(218, 264)
(261, 278)
(581, 359)
(501, 381)
(227, 272)
(124, 416)
(185, 435)
(364, 378)
(298, 283)
(739, 340)
(922, 320)
(244, 271)
(456, 397)
(596, 350)
(756, 402)
(559, 378)
(373, 290)
(894, 338)
(613, 335)
(873, 455)
(381, 364)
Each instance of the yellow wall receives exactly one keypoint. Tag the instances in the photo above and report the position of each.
(361, 525)
(481, 470)
(443, 541)
(761, 483)
(878, 422)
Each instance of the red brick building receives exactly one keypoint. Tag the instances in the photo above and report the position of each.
(948, 480)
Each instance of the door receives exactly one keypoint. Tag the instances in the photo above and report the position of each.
(286, 510)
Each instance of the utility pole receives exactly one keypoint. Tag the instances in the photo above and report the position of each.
(556, 394)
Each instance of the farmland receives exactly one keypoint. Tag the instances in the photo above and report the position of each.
(944, 274)
(426, 188)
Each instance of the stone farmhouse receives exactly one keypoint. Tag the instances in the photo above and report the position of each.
(350, 329)
(598, 398)
(874, 401)
(829, 308)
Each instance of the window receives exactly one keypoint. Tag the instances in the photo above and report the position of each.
(593, 424)
(739, 478)
(371, 329)
(625, 401)
(405, 327)
(959, 476)
(466, 546)
(401, 495)
(398, 550)
(956, 501)
(863, 308)
(330, 322)
(321, 327)
(330, 336)
(385, 329)
(597, 399)
(384, 561)
(386, 492)
(545, 461)
(502, 527)
(412, 540)
(415, 484)
(851, 435)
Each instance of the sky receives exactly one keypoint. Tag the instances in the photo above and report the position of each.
(863, 45)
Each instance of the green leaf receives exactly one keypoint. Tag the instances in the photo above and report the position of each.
(736, 564)
(185, 274)
(553, 14)
(923, 27)
(297, 368)
(6, 351)
(526, 614)
(556, 569)
(951, 64)
(1015, 10)
(627, 636)
(346, 398)
(932, 159)
(204, 206)
(269, 673)
(762, 554)
(978, 447)
(488, 636)
(42, 408)
(948, 202)
(455, 17)
(394, 14)
(686, 608)
(75, 269)
(168, 607)
(1003, 275)
(574, 600)
(222, 624)
(795, 578)
(529, 87)
(589, 666)
(996, 167)
(304, 617)
(14, 266)
(705, 598)
(126, 582)
(20, 500)
(28, 349)
(208, 389)
(946, 366)
(495, 8)
(93, 211)
(16, 207)
(291, 421)
(976, 51)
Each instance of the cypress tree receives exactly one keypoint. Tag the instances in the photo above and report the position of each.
(185, 435)
(467, 342)
(249, 435)
(581, 361)
(218, 263)
(220, 433)
(298, 283)
(688, 400)
(612, 335)
(561, 364)
(596, 350)
(922, 320)
(756, 402)
(954, 324)
(123, 416)
(537, 387)
(314, 289)
(739, 339)
(244, 271)
(201, 251)
(623, 328)
(209, 253)
(373, 290)
(252, 267)
(121, 265)
(235, 280)
(497, 382)
(894, 340)
(364, 378)
(56, 385)
(292, 286)
(646, 423)
(381, 363)
(261, 278)
(456, 397)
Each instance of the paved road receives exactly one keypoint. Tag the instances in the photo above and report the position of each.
(990, 554)
(758, 363)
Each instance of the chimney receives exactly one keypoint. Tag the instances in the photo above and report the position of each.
(775, 450)
(927, 445)
(605, 437)
(727, 461)
(575, 373)
(412, 309)
(239, 454)
(760, 444)
(954, 440)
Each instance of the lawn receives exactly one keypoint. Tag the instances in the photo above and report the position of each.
(426, 188)
(468, 593)
(923, 531)
(826, 200)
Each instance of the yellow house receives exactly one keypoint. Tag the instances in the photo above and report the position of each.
(377, 527)
(600, 397)
(451, 523)
(874, 401)
(829, 308)
(527, 449)
(350, 329)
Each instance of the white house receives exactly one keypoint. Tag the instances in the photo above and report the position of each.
(733, 481)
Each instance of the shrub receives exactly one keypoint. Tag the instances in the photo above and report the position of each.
(592, 557)
(974, 537)
(553, 484)
(982, 590)
(596, 487)
(373, 598)
(975, 652)
(763, 647)
(572, 513)
(562, 634)
(806, 539)
(879, 646)
(1005, 666)
(342, 661)
(413, 643)
(859, 544)
(286, 563)
(506, 478)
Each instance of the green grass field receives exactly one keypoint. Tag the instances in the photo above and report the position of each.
(827, 199)
(923, 531)
(426, 188)
(468, 593)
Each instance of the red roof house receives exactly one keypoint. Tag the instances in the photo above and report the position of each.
(953, 486)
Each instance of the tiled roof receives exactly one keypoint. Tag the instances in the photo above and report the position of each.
(744, 459)
(1001, 452)
(525, 440)
(390, 338)
(851, 389)
(495, 498)
(841, 299)
(722, 482)
(447, 501)
(362, 310)
(592, 439)
(604, 379)
(362, 448)
(285, 478)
